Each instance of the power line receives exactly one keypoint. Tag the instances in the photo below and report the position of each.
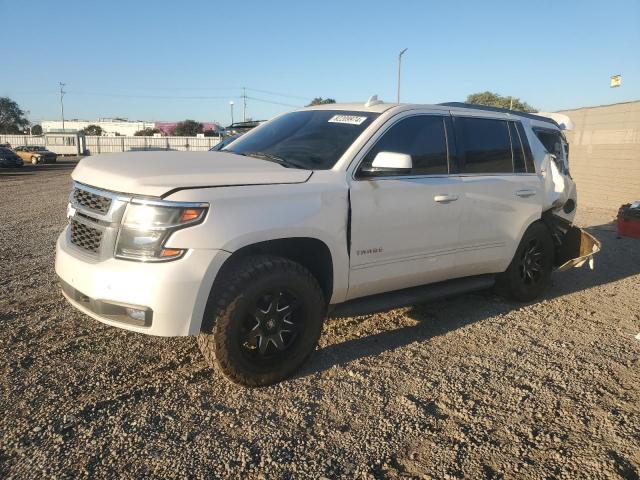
(274, 102)
(268, 92)
(193, 97)
(180, 97)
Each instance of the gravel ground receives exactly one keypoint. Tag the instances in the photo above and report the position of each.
(472, 387)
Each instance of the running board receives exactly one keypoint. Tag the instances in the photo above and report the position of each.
(410, 296)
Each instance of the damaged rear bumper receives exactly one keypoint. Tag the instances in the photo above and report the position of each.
(577, 248)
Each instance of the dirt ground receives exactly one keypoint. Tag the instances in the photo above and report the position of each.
(471, 387)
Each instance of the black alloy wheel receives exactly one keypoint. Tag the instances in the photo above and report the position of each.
(529, 273)
(531, 266)
(272, 327)
(264, 319)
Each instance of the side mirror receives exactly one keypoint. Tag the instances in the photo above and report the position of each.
(391, 161)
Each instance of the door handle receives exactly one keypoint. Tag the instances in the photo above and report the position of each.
(445, 198)
(526, 193)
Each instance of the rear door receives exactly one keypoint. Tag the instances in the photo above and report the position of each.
(501, 192)
(404, 225)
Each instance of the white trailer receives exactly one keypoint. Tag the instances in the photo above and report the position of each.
(65, 143)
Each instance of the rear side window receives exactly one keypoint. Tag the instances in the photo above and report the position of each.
(552, 142)
(484, 145)
(423, 137)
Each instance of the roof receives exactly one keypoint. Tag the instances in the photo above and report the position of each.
(473, 106)
(358, 107)
(383, 107)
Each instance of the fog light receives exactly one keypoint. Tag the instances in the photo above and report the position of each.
(136, 314)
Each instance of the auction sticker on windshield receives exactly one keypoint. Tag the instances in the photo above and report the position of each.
(350, 119)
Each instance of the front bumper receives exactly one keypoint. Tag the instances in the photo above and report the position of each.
(176, 292)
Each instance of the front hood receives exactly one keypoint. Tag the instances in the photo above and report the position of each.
(156, 173)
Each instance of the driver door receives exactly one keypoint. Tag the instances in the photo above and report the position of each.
(405, 224)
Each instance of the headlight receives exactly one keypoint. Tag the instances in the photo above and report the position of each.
(148, 224)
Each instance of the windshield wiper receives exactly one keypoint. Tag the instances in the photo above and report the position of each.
(274, 158)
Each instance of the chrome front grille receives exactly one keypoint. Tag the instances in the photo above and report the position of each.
(94, 220)
(92, 201)
(85, 237)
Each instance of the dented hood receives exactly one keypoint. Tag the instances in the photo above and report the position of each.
(156, 173)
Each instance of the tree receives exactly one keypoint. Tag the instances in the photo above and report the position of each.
(188, 128)
(147, 132)
(95, 130)
(12, 119)
(36, 130)
(491, 99)
(320, 101)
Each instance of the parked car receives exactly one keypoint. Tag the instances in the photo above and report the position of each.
(339, 207)
(9, 159)
(36, 154)
(224, 142)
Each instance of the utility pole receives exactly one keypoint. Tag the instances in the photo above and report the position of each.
(62, 92)
(231, 104)
(510, 103)
(399, 66)
(244, 104)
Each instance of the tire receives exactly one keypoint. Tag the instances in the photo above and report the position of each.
(529, 273)
(263, 320)
(34, 161)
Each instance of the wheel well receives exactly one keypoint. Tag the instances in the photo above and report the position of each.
(312, 253)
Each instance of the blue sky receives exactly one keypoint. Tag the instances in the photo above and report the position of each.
(169, 60)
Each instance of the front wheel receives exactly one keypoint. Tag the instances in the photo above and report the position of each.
(265, 320)
(529, 273)
(34, 160)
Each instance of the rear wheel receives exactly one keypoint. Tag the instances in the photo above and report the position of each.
(266, 319)
(529, 273)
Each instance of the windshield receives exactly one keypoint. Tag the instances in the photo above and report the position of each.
(223, 143)
(311, 139)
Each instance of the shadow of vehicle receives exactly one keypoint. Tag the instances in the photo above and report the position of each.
(618, 259)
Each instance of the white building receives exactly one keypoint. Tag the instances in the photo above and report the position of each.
(110, 126)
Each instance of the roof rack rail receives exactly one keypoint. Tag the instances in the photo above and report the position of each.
(474, 106)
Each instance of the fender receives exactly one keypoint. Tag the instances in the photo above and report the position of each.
(242, 216)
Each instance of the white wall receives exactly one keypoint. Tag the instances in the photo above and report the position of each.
(96, 145)
(604, 154)
(109, 127)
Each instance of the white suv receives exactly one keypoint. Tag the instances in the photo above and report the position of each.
(249, 248)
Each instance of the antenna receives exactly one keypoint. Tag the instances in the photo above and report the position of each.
(373, 100)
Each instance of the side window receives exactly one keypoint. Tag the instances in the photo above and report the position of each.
(552, 142)
(518, 152)
(484, 145)
(528, 156)
(422, 136)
